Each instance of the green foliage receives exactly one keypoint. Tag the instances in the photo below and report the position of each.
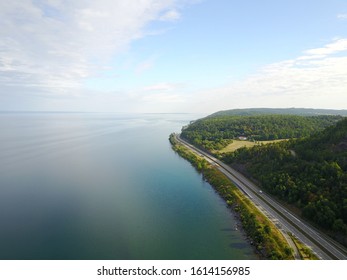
(304, 251)
(279, 111)
(256, 225)
(197, 162)
(310, 173)
(215, 133)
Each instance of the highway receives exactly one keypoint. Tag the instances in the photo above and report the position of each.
(323, 246)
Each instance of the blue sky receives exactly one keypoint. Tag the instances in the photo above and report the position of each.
(172, 56)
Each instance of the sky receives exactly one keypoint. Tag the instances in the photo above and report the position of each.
(168, 56)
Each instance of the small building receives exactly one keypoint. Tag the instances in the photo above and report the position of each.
(242, 138)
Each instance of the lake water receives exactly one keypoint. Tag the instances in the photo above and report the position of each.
(106, 186)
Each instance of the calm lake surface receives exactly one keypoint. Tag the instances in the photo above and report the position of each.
(106, 186)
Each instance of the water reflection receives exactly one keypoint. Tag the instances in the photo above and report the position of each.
(106, 186)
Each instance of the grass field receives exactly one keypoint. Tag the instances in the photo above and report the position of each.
(305, 252)
(237, 144)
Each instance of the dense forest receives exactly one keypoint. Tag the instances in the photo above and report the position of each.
(310, 173)
(216, 132)
(279, 111)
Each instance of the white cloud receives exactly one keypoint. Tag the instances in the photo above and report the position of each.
(342, 16)
(160, 93)
(57, 43)
(163, 98)
(171, 15)
(160, 97)
(334, 47)
(161, 87)
(145, 65)
(317, 79)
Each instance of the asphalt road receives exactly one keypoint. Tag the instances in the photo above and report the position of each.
(323, 246)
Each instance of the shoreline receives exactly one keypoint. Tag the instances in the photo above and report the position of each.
(267, 241)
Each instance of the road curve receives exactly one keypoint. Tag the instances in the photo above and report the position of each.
(323, 246)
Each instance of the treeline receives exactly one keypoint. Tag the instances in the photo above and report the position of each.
(267, 240)
(310, 173)
(279, 111)
(198, 162)
(214, 133)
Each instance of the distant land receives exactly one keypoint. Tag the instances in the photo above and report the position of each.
(279, 111)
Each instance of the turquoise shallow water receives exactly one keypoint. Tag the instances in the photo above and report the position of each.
(106, 186)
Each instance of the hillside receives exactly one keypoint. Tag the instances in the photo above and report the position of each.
(216, 132)
(309, 173)
(279, 111)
